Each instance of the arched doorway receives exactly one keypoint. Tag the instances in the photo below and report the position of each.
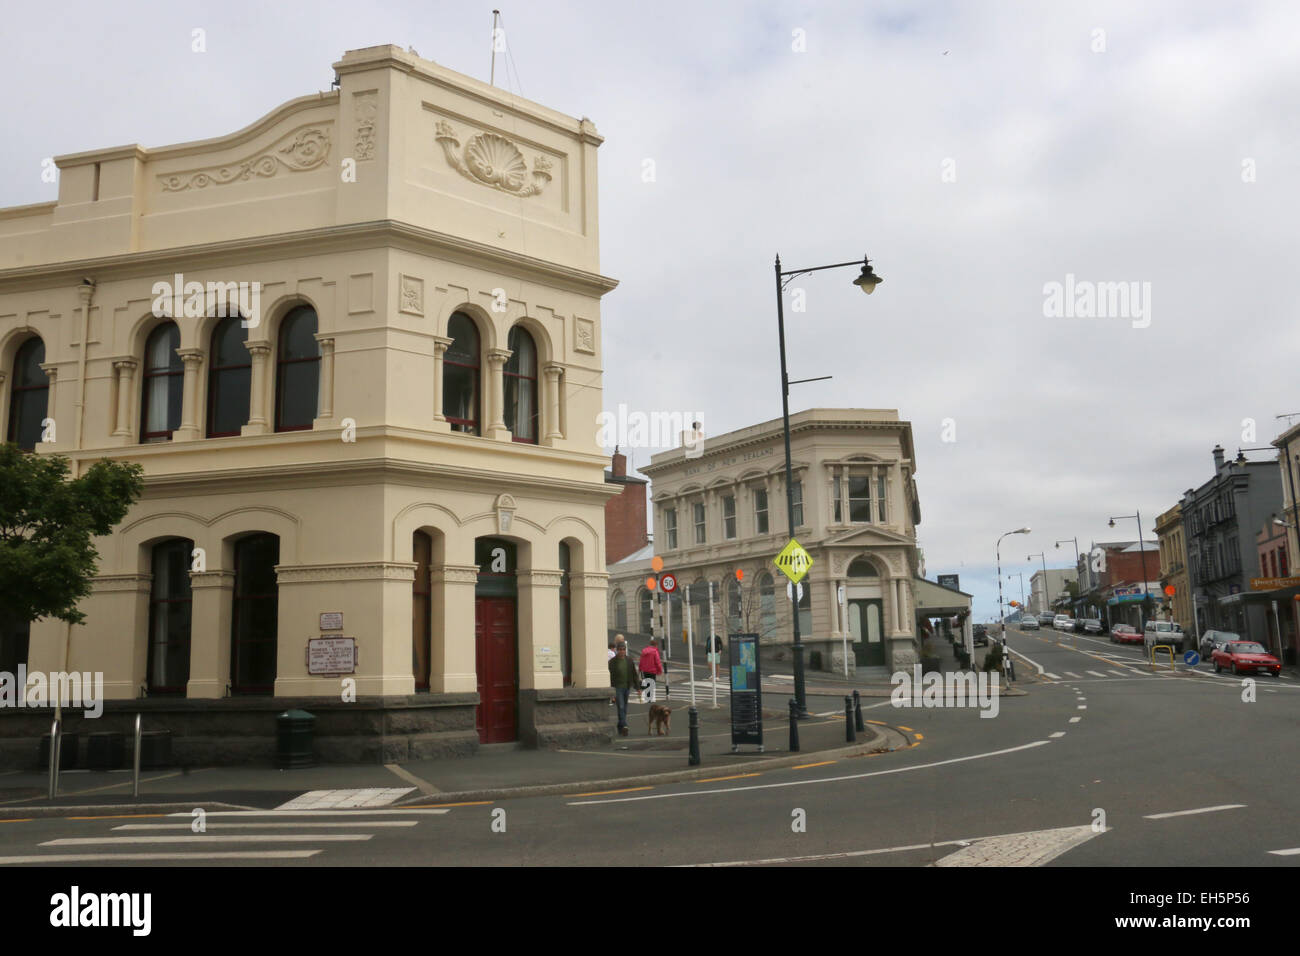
(496, 641)
(866, 614)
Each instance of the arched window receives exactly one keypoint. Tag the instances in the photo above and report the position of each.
(521, 386)
(255, 615)
(862, 568)
(620, 611)
(460, 375)
(734, 611)
(169, 617)
(164, 380)
(421, 609)
(29, 396)
(297, 371)
(229, 379)
(645, 612)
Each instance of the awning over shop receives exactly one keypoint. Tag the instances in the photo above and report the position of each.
(935, 600)
(1291, 593)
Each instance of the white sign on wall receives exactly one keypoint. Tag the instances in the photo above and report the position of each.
(331, 620)
(330, 656)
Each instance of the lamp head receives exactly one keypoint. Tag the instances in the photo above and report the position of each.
(867, 280)
(1112, 522)
(1241, 457)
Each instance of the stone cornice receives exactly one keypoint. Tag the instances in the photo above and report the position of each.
(454, 574)
(344, 237)
(121, 582)
(211, 579)
(369, 571)
(539, 579)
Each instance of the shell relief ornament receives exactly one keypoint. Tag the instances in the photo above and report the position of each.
(493, 160)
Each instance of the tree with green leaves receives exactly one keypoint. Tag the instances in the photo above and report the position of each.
(47, 521)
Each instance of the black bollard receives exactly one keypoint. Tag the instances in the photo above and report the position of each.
(695, 736)
(857, 711)
(794, 726)
(850, 735)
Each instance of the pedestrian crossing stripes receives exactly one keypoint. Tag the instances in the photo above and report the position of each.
(287, 835)
(344, 799)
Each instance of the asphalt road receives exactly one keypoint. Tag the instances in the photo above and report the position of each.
(1103, 762)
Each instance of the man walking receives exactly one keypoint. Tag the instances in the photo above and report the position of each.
(623, 678)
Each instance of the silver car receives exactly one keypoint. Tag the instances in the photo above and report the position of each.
(1211, 641)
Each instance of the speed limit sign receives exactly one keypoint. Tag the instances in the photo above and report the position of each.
(669, 583)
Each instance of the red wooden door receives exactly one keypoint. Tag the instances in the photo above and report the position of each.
(494, 632)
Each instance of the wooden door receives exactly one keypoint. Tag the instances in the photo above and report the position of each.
(498, 685)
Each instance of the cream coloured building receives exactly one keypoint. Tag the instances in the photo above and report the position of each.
(856, 511)
(393, 440)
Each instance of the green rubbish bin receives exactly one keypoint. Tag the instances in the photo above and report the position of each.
(293, 738)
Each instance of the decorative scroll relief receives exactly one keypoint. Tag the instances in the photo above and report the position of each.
(495, 161)
(305, 148)
(366, 112)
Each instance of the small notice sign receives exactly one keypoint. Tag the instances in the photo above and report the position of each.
(546, 660)
(331, 656)
(331, 621)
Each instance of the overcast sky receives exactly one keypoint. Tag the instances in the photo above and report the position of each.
(1113, 156)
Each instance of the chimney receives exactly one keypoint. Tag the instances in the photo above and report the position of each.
(619, 464)
(1218, 458)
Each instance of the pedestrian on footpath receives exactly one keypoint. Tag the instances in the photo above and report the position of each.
(623, 678)
(611, 657)
(651, 667)
(715, 655)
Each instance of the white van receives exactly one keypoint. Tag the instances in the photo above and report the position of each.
(1162, 632)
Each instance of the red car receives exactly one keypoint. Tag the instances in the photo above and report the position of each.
(1125, 634)
(1242, 656)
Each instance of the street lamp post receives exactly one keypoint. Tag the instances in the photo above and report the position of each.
(867, 282)
(1002, 618)
(1146, 594)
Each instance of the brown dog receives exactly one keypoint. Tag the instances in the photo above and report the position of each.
(661, 718)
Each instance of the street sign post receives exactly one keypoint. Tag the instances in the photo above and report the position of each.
(793, 561)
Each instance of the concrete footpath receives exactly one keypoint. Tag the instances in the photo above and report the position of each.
(498, 771)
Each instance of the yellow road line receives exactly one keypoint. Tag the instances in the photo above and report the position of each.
(805, 766)
(431, 806)
(908, 729)
(23, 820)
(920, 736)
(739, 776)
(601, 793)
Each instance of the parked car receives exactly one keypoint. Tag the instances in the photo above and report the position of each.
(1125, 634)
(1045, 619)
(980, 634)
(1029, 623)
(1162, 632)
(1093, 625)
(1246, 657)
(1063, 622)
(1211, 641)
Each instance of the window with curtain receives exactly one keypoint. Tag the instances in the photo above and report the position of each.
(421, 608)
(859, 498)
(837, 505)
(729, 516)
(254, 617)
(670, 528)
(520, 386)
(229, 379)
(297, 371)
(461, 366)
(733, 607)
(29, 395)
(760, 510)
(700, 532)
(882, 513)
(163, 383)
(796, 496)
(170, 606)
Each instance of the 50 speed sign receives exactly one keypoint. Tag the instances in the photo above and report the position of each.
(669, 583)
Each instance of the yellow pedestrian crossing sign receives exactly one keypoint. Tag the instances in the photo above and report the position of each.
(793, 561)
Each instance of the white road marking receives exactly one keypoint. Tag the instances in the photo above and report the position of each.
(355, 814)
(1075, 720)
(331, 799)
(424, 786)
(1119, 673)
(1188, 813)
(254, 826)
(1072, 674)
(830, 856)
(1053, 676)
(1038, 666)
(1021, 849)
(1096, 673)
(110, 857)
(1082, 707)
(803, 783)
(219, 838)
(1292, 852)
(1059, 733)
